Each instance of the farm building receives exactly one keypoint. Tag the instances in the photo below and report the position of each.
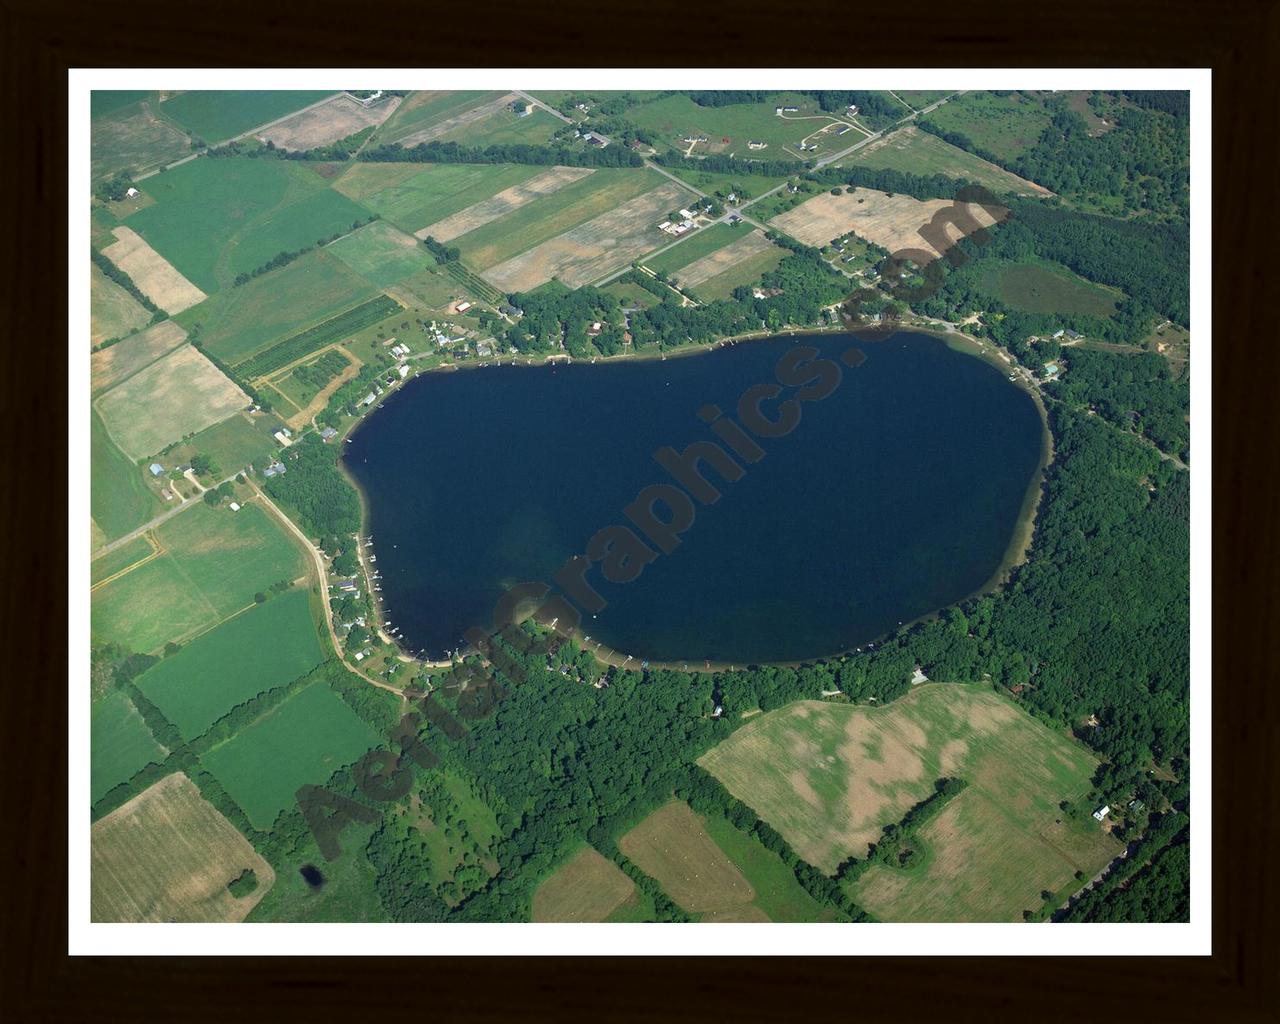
(234, 506)
(1102, 812)
(156, 469)
(131, 192)
(462, 307)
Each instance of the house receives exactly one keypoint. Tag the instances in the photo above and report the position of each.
(596, 140)
(1059, 333)
(328, 434)
(404, 372)
(156, 469)
(1101, 812)
(841, 131)
(234, 506)
(1073, 335)
(510, 310)
(853, 109)
(368, 399)
(131, 192)
(275, 469)
(686, 215)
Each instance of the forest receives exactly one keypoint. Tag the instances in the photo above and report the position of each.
(510, 153)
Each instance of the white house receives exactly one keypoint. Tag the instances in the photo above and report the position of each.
(131, 192)
(1102, 812)
(234, 506)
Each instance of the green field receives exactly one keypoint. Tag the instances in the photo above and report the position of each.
(258, 650)
(701, 243)
(214, 561)
(382, 254)
(214, 218)
(218, 115)
(554, 214)
(1040, 286)
(132, 138)
(778, 893)
(917, 152)
(919, 99)
(673, 118)
(503, 127)
(748, 271)
(337, 328)
(302, 741)
(744, 185)
(829, 777)
(113, 312)
(422, 109)
(120, 743)
(414, 196)
(119, 500)
(1004, 125)
(108, 101)
(348, 895)
(241, 322)
(232, 444)
(119, 560)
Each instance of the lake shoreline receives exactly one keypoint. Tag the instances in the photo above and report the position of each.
(1017, 552)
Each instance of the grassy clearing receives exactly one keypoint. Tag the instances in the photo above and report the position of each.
(113, 312)
(745, 186)
(699, 244)
(456, 830)
(119, 498)
(778, 895)
(830, 776)
(131, 138)
(420, 110)
(746, 272)
(216, 218)
(120, 744)
(240, 322)
(304, 740)
(258, 650)
(382, 254)
(411, 196)
(242, 440)
(218, 115)
(1004, 125)
(347, 895)
(672, 846)
(673, 118)
(552, 215)
(587, 887)
(919, 99)
(168, 855)
(212, 564)
(916, 152)
(503, 127)
(1039, 286)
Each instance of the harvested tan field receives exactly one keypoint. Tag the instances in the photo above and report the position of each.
(504, 202)
(891, 222)
(122, 360)
(672, 846)
(587, 888)
(179, 394)
(328, 123)
(168, 855)
(594, 249)
(461, 120)
(155, 277)
(722, 259)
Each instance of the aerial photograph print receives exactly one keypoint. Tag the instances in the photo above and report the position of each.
(634, 505)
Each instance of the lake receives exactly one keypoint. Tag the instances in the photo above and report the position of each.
(897, 494)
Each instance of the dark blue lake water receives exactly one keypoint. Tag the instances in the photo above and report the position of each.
(894, 496)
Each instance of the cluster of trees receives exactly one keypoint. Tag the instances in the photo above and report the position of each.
(343, 401)
(898, 844)
(317, 374)
(875, 108)
(443, 253)
(333, 152)
(313, 486)
(217, 495)
(551, 318)
(113, 189)
(718, 163)
(508, 153)
(1152, 883)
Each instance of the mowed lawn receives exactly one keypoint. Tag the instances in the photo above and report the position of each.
(120, 744)
(1039, 286)
(265, 647)
(411, 196)
(673, 118)
(916, 152)
(829, 777)
(214, 218)
(748, 271)
(302, 741)
(554, 214)
(212, 564)
(382, 254)
(503, 127)
(119, 499)
(218, 115)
